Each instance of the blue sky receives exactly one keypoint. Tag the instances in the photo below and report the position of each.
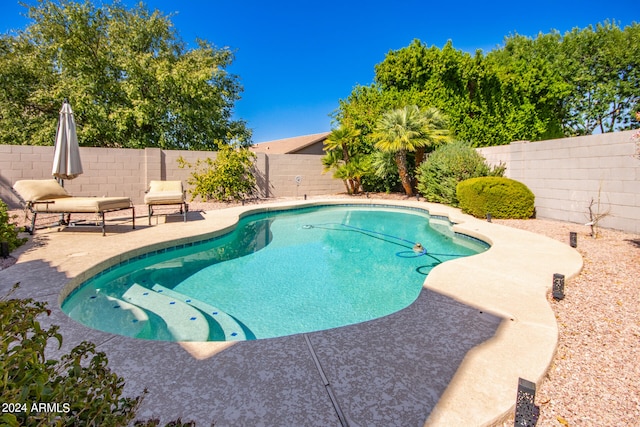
(297, 59)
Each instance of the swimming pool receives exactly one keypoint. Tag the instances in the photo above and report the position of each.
(278, 273)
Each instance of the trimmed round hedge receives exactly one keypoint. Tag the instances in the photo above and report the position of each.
(501, 197)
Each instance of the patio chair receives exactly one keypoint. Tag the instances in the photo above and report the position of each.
(48, 196)
(165, 193)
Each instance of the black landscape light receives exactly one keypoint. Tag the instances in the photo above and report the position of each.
(488, 216)
(573, 239)
(4, 249)
(527, 412)
(558, 286)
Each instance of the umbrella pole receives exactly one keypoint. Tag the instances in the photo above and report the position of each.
(61, 221)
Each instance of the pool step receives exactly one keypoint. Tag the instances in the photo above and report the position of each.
(232, 329)
(110, 314)
(184, 322)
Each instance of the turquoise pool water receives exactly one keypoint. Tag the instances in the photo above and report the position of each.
(278, 273)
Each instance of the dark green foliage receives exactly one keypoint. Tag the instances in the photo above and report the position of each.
(487, 103)
(501, 197)
(531, 89)
(385, 174)
(228, 177)
(130, 79)
(345, 157)
(85, 389)
(8, 230)
(449, 164)
(602, 67)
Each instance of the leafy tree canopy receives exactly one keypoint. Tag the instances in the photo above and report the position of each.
(130, 79)
(486, 104)
(409, 130)
(537, 88)
(602, 66)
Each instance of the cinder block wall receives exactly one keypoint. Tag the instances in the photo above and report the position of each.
(127, 172)
(566, 174)
(294, 175)
(107, 171)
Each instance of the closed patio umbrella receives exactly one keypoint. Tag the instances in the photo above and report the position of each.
(66, 158)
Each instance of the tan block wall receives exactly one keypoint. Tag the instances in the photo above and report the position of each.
(283, 169)
(565, 174)
(107, 171)
(126, 172)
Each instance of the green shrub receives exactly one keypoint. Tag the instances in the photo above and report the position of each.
(79, 388)
(8, 230)
(499, 196)
(228, 177)
(384, 173)
(449, 164)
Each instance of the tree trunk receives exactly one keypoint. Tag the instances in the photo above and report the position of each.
(419, 156)
(401, 161)
(345, 153)
(352, 186)
(346, 186)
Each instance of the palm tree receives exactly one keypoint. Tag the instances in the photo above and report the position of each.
(437, 132)
(383, 166)
(333, 160)
(340, 145)
(409, 130)
(341, 139)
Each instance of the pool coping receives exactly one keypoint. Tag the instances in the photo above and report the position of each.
(483, 390)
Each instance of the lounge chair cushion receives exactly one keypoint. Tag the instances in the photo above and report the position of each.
(164, 193)
(34, 190)
(39, 191)
(83, 205)
(47, 196)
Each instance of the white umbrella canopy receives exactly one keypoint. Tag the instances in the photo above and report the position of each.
(66, 158)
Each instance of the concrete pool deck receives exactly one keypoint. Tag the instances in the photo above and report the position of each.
(453, 357)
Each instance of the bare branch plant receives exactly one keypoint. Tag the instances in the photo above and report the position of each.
(596, 213)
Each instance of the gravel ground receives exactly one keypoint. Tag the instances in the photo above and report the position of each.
(593, 380)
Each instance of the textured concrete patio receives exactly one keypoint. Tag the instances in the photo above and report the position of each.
(453, 357)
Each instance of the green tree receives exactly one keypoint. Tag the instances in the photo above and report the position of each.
(436, 132)
(341, 139)
(364, 106)
(332, 161)
(343, 156)
(527, 77)
(227, 177)
(402, 131)
(537, 88)
(602, 66)
(385, 170)
(487, 101)
(130, 79)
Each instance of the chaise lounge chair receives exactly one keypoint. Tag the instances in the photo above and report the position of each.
(163, 193)
(47, 196)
